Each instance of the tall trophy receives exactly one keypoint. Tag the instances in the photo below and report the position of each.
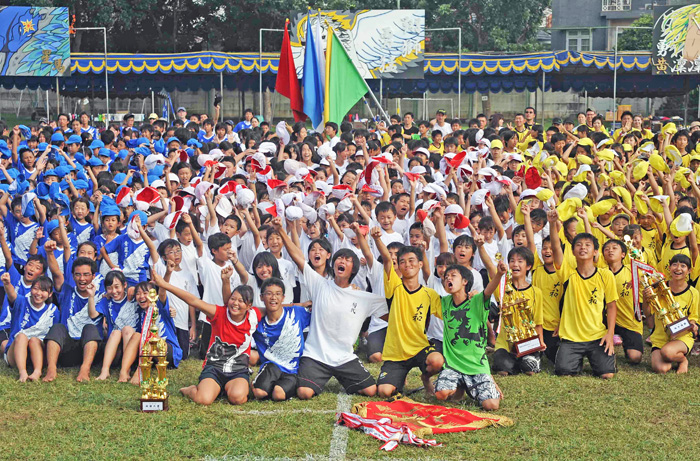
(664, 306)
(154, 350)
(517, 319)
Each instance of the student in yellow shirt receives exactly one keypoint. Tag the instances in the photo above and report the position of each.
(627, 326)
(520, 262)
(647, 255)
(666, 352)
(406, 345)
(436, 146)
(588, 291)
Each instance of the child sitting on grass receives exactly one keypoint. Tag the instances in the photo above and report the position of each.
(32, 317)
(280, 341)
(464, 339)
(228, 356)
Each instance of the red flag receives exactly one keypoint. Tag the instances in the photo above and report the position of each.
(287, 82)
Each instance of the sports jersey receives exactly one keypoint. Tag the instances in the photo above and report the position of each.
(551, 288)
(74, 311)
(534, 296)
(229, 345)
(651, 240)
(22, 240)
(101, 241)
(625, 302)
(83, 231)
(465, 334)
(166, 328)
(582, 303)
(282, 342)
(203, 138)
(133, 258)
(68, 275)
(119, 314)
(405, 335)
(23, 289)
(668, 252)
(32, 322)
(689, 302)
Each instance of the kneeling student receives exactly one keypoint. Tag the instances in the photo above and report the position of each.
(228, 356)
(280, 341)
(32, 317)
(665, 351)
(464, 339)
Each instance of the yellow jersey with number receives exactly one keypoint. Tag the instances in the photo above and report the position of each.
(583, 303)
(689, 300)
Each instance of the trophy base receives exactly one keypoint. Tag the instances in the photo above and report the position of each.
(153, 405)
(527, 346)
(678, 327)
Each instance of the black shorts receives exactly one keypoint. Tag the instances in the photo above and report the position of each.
(437, 345)
(630, 339)
(183, 339)
(375, 341)
(222, 378)
(552, 343)
(571, 354)
(352, 375)
(504, 361)
(4, 335)
(687, 351)
(71, 353)
(270, 376)
(395, 373)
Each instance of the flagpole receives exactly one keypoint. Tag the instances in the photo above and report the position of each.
(374, 98)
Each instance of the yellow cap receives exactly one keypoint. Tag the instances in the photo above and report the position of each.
(640, 170)
(496, 144)
(561, 168)
(641, 205)
(519, 218)
(585, 142)
(682, 225)
(673, 154)
(584, 159)
(567, 208)
(681, 177)
(618, 177)
(544, 194)
(656, 203)
(658, 164)
(603, 206)
(606, 154)
(627, 148)
(669, 128)
(624, 195)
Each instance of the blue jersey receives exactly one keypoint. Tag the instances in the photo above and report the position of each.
(99, 279)
(100, 241)
(84, 232)
(203, 138)
(23, 289)
(74, 311)
(32, 322)
(242, 125)
(22, 240)
(283, 341)
(166, 328)
(133, 258)
(119, 314)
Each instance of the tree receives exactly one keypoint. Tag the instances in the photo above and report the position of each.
(637, 39)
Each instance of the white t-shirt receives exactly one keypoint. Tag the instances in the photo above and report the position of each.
(257, 300)
(336, 318)
(445, 129)
(210, 276)
(184, 280)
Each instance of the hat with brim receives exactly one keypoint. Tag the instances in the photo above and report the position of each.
(658, 164)
(656, 203)
(519, 218)
(567, 208)
(584, 159)
(624, 195)
(674, 154)
(627, 147)
(496, 144)
(585, 142)
(640, 170)
(602, 207)
(640, 204)
(580, 226)
(669, 128)
(561, 167)
(681, 177)
(618, 177)
(682, 225)
(607, 155)
(582, 173)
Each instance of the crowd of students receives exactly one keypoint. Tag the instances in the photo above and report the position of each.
(305, 251)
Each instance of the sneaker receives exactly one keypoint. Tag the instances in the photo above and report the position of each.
(617, 340)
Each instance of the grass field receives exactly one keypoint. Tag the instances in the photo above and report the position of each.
(635, 415)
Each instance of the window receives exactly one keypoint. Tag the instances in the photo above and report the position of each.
(578, 40)
(617, 5)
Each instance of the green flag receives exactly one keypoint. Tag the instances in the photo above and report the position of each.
(344, 84)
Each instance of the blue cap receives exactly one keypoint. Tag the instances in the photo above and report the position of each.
(42, 190)
(142, 141)
(92, 207)
(13, 172)
(80, 159)
(190, 151)
(156, 171)
(50, 172)
(119, 178)
(73, 139)
(94, 161)
(41, 147)
(132, 143)
(26, 132)
(50, 226)
(141, 215)
(124, 153)
(80, 184)
(61, 171)
(57, 137)
(64, 185)
(81, 174)
(145, 151)
(96, 144)
(173, 139)
(159, 146)
(194, 142)
(104, 152)
(4, 150)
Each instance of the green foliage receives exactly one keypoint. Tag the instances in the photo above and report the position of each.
(149, 26)
(637, 39)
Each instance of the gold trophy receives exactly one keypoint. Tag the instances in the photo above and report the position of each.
(635, 253)
(663, 305)
(154, 395)
(517, 319)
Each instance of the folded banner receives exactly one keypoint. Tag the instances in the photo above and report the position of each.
(405, 421)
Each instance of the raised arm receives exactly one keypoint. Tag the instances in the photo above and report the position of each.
(485, 258)
(194, 301)
(226, 291)
(251, 226)
(198, 244)
(495, 280)
(557, 252)
(496, 220)
(294, 251)
(364, 245)
(149, 243)
(5, 247)
(56, 270)
(383, 251)
(9, 289)
(64, 239)
(92, 307)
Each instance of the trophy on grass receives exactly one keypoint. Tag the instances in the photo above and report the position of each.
(517, 319)
(154, 349)
(664, 306)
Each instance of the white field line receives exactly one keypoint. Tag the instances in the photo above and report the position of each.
(339, 439)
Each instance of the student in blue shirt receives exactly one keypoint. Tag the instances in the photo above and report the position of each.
(166, 329)
(76, 338)
(132, 250)
(33, 316)
(244, 124)
(79, 220)
(279, 338)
